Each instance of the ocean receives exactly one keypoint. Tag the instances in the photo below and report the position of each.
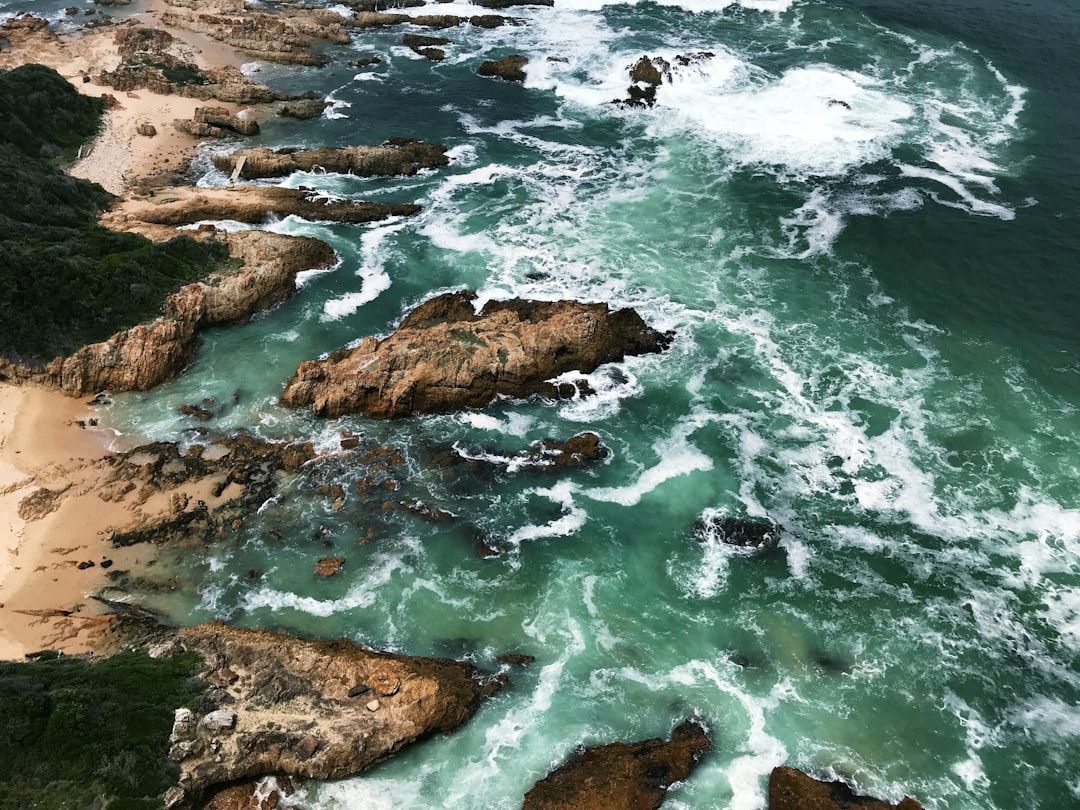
(861, 218)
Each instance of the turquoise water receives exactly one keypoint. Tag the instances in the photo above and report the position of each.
(874, 308)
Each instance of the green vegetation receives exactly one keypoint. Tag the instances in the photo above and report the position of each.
(77, 731)
(64, 280)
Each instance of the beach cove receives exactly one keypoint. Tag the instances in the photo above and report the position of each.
(833, 520)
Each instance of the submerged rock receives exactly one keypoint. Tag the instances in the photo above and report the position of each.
(622, 776)
(790, 789)
(304, 108)
(299, 710)
(444, 356)
(648, 73)
(759, 535)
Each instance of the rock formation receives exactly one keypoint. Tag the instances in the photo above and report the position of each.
(509, 3)
(150, 353)
(398, 156)
(285, 37)
(759, 535)
(509, 68)
(444, 356)
(428, 47)
(216, 122)
(316, 709)
(186, 206)
(304, 108)
(150, 61)
(621, 776)
(647, 74)
(790, 789)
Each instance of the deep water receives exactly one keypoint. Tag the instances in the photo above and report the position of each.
(875, 307)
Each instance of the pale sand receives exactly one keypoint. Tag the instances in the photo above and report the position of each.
(42, 446)
(119, 157)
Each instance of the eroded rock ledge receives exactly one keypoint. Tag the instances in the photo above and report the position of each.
(316, 709)
(148, 354)
(444, 356)
(622, 776)
(399, 156)
(178, 206)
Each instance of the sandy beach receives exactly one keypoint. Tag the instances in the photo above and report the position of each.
(56, 510)
(51, 520)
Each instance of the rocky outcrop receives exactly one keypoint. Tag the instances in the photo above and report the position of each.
(756, 535)
(790, 789)
(216, 122)
(304, 108)
(286, 37)
(509, 68)
(316, 709)
(621, 776)
(509, 3)
(398, 156)
(247, 474)
(148, 354)
(148, 61)
(251, 204)
(428, 47)
(444, 356)
(648, 73)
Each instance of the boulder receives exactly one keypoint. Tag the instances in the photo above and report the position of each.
(444, 356)
(790, 789)
(398, 156)
(509, 68)
(509, 3)
(304, 108)
(487, 20)
(146, 130)
(221, 117)
(622, 776)
(426, 46)
(295, 713)
(648, 73)
(329, 566)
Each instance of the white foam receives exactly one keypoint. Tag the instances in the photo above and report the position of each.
(677, 455)
(515, 424)
(573, 515)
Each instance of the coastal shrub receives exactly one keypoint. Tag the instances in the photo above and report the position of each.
(65, 281)
(78, 730)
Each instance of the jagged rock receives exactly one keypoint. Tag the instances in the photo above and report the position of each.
(509, 68)
(313, 728)
(647, 74)
(790, 789)
(40, 503)
(265, 794)
(146, 130)
(304, 108)
(377, 19)
(186, 206)
(382, 5)
(398, 156)
(760, 535)
(183, 726)
(621, 776)
(329, 566)
(218, 721)
(284, 37)
(220, 117)
(426, 46)
(444, 356)
(437, 21)
(197, 411)
(487, 20)
(577, 451)
(146, 355)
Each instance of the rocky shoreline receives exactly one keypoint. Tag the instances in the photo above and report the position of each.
(276, 705)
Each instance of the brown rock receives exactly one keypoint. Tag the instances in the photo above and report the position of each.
(186, 206)
(487, 20)
(445, 357)
(620, 776)
(146, 130)
(247, 796)
(647, 74)
(509, 3)
(298, 718)
(139, 358)
(436, 20)
(790, 789)
(329, 566)
(304, 108)
(40, 503)
(398, 156)
(509, 68)
(221, 117)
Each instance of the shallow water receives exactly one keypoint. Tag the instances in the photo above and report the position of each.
(874, 307)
